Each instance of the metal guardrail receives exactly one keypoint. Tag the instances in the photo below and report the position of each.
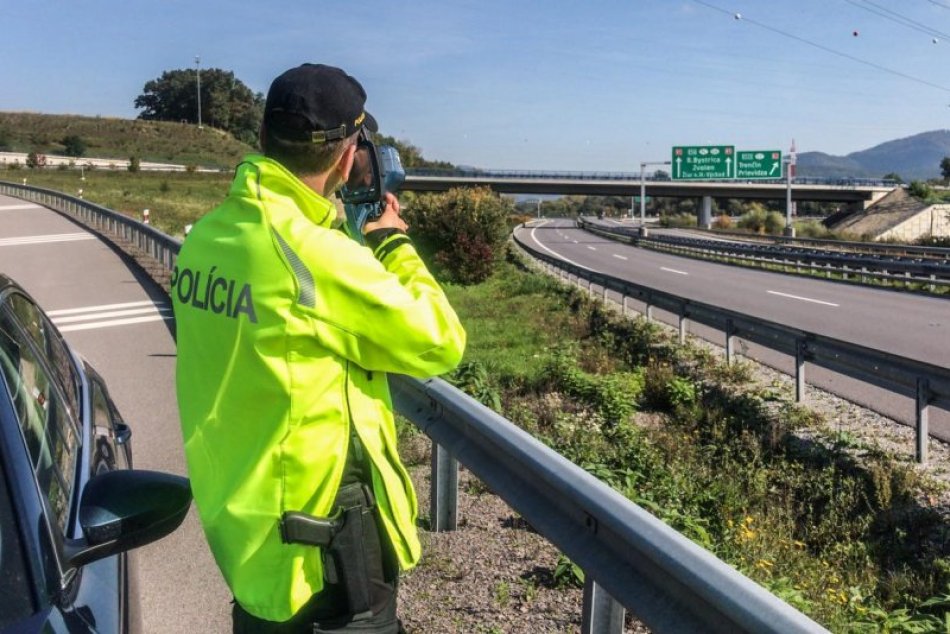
(847, 246)
(147, 240)
(860, 267)
(925, 383)
(669, 582)
(630, 176)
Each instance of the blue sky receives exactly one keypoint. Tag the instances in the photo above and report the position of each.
(595, 86)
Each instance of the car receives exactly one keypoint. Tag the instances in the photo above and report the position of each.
(71, 505)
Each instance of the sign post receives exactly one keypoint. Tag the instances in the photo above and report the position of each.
(704, 162)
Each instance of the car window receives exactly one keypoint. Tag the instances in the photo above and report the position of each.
(17, 602)
(48, 341)
(48, 429)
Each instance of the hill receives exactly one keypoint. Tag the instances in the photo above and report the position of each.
(106, 137)
(915, 157)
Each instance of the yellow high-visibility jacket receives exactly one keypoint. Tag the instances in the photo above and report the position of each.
(286, 329)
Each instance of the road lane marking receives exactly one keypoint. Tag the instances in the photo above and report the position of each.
(109, 315)
(92, 309)
(663, 268)
(574, 241)
(591, 248)
(115, 322)
(551, 251)
(621, 257)
(58, 237)
(13, 207)
(804, 299)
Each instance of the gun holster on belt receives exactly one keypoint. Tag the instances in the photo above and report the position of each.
(341, 537)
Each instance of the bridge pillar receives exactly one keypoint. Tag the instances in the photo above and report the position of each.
(859, 205)
(705, 213)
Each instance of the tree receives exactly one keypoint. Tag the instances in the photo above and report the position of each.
(135, 164)
(409, 154)
(226, 102)
(894, 176)
(945, 167)
(73, 145)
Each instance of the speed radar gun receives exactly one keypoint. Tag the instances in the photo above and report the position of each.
(376, 170)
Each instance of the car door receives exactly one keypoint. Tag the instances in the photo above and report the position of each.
(49, 398)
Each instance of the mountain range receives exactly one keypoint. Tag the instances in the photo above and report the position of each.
(915, 157)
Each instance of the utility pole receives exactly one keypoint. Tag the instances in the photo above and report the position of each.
(198, 82)
(789, 175)
(643, 192)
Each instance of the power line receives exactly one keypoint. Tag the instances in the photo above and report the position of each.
(822, 47)
(893, 16)
(941, 5)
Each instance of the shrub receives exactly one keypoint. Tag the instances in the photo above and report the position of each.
(920, 189)
(73, 145)
(759, 220)
(812, 229)
(462, 232)
(35, 160)
(774, 222)
(679, 220)
(723, 222)
(135, 164)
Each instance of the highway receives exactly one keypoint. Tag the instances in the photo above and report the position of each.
(118, 319)
(904, 324)
(115, 317)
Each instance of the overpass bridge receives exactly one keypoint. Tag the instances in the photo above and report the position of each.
(855, 193)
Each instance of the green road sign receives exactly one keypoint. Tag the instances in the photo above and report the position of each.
(704, 162)
(758, 164)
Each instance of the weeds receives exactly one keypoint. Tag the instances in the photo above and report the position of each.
(828, 524)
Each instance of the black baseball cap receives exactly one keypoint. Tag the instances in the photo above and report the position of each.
(317, 103)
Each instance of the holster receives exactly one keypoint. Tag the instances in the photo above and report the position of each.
(352, 554)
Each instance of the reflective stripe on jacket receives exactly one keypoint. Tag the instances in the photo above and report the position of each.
(285, 329)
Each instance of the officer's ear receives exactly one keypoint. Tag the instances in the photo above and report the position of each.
(345, 164)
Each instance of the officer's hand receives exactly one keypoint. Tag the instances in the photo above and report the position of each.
(390, 218)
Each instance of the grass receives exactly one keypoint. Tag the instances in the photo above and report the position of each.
(173, 199)
(107, 137)
(835, 528)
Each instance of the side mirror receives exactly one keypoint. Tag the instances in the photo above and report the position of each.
(124, 509)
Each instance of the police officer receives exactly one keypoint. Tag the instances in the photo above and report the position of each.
(286, 328)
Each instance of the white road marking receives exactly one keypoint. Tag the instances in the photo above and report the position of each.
(103, 316)
(23, 206)
(621, 257)
(591, 248)
(554, 253)
(663, 268)
(90, 309)
(111, 313)
(59, 237)
(115, 322)
(574, 241)
(804, 299)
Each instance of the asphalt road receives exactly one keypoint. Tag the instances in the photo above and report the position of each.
(913, 326)
(115, 317)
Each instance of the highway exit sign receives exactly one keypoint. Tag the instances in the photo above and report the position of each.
(704, 162)
(752, 164)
